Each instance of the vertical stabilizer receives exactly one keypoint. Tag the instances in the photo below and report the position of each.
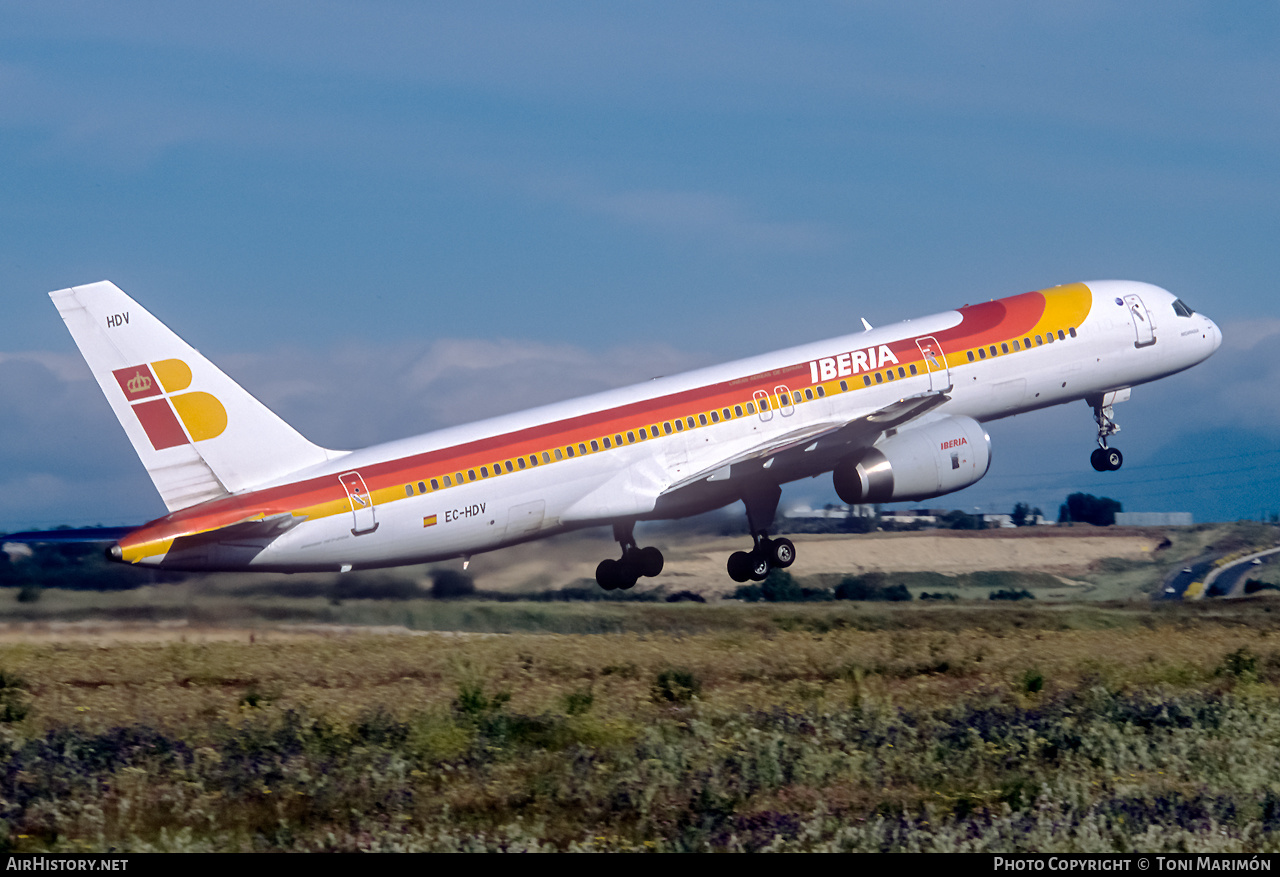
(198, 433)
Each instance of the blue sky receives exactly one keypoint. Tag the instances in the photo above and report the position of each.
(387, 217)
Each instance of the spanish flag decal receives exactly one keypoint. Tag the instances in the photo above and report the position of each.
(429, 521)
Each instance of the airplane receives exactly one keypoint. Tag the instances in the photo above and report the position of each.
(892, 413)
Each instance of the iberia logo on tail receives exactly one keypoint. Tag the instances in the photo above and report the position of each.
(169, 416)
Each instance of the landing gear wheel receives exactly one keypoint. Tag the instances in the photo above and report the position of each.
(740, 566)
(781, 553)
(759, 566)
(649, 561)
(613, 575)
(607, 574)
(1106, 459)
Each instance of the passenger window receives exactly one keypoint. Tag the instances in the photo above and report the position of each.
(666, 427)
(435, 485)
(982, 353)
(1026, 342)
(1048, 337)
(689, 420)
(545, 458)
(459, 478)
(913, 369)
(582, 448)
(808, 394)
(471, 474)
(422, 487)
(1004, 348)
(408, 490)
(617, 440)
(879, 378)
(643, 434)
(484, 471)
(520, 462)
(901, 372)
(569, 450)
(737, 409)
(606, 444)
(970, 353)
(764, 404)
(751, 408)
(889, 374)
(1072, 331)
(1061, 336)
(993, 350)
(821, 391)
(447, 481)
(1038, 341)
(654, 431)
(631, 437)
(595, 446)
(508, 465)
(727, 415)
(844, 386)
(1015, 345)
(559, 456)
(866, 381)
(702, 418)
(679, 426)
(715, 416)
(798, 397)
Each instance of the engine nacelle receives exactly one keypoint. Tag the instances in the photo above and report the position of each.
(919, 462)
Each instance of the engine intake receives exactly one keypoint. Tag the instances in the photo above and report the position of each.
(917, 463)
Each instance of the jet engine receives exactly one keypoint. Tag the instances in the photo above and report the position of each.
(919, 462)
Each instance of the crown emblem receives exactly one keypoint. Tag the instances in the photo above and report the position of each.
(138, 383)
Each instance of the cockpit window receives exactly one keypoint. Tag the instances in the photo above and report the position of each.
(1181, 309)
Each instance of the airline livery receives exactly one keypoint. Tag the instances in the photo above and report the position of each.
(894, 413)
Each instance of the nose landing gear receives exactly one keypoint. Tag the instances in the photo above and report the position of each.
(1105, 458)
(623, 574)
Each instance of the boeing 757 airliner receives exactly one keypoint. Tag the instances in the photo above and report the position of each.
(893, 413)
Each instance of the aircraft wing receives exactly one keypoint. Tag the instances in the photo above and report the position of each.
(812, 446)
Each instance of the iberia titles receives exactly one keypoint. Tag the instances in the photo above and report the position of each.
(851, 363)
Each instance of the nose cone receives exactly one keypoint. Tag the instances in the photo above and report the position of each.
(1217, 334)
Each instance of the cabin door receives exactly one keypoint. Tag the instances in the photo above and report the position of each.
(1142, 326)
(935, 361)
(364, 519)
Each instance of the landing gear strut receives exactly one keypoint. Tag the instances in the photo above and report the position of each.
(623, 574)
(767, 553)
(1105, 459)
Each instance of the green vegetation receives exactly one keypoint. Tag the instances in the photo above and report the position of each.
(824, 726)
(1085, 508)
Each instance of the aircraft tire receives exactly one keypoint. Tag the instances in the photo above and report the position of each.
(1098, 460)
(650, 562)
(759, 566)
(782, 553)
(1114, 459)
(739, 566)
(608, 574)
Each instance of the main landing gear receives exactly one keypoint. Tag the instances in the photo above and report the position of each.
(1105, 459)
(767, 553)
(623, 574)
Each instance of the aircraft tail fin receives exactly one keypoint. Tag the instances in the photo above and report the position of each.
(198, 433)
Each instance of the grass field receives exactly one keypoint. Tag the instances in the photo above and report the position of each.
(807, 727)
